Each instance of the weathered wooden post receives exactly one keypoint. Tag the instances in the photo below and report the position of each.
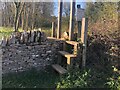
(84, 39)
(59, 19)
(80, 15)
(72, 16)
(53, 29)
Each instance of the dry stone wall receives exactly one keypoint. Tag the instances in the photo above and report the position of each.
(22, 57)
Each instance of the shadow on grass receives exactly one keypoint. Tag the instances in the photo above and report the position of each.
(31, 79)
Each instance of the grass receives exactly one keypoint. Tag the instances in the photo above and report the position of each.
(31, 79)
(6, 31)
(47, 32)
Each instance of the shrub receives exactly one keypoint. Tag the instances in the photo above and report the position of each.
(75, 79)
(114, 81)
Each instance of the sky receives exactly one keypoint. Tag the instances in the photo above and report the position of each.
(81, 2)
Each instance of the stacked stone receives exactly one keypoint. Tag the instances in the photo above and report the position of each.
(26, 37)
(4, 41)
(31, 37)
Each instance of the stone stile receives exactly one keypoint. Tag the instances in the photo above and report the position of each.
(4, 42)
(32, 36)
(22, 38)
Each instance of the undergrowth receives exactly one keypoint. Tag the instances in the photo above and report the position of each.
(90, 78)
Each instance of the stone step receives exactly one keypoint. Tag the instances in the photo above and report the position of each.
(59, 69)
(66, 54)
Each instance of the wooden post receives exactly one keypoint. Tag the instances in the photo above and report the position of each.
(79, 30)
(59, 19)
(72, 14)
(53, 29)
(64, 46)
(84, 39)
(69, 63)
(79, 16)
(75, 49)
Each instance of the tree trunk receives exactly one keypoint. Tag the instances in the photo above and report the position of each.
(27, 13)
(18, 12)
(23, 19)
(33, 16)
(16, 17)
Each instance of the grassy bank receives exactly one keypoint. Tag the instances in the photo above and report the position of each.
(31, 79)
(84, 78)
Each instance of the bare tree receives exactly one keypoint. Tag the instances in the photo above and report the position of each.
(23, 18)
(66, 13)
(33, 15)
(18, 10)
(26, 14)
(66, 9)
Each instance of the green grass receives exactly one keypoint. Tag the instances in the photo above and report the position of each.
(6, 31)
(31, 79)
(47, 32)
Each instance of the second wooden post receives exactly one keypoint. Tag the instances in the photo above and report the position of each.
(53, 29)
(72, 17)
(59, 19)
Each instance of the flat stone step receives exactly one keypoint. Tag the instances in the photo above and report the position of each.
(72, 43)
(59, 69)
(66, 54)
